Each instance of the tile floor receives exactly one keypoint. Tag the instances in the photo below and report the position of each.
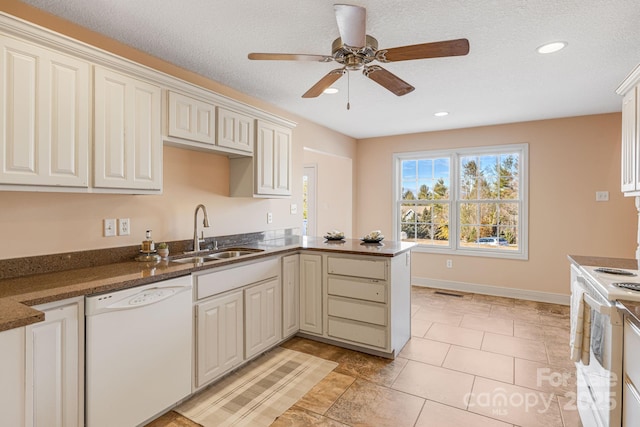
(473, 360)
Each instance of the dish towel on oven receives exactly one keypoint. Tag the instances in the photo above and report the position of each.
(580, 325)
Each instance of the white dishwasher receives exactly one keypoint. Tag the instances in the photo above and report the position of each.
(138, 352)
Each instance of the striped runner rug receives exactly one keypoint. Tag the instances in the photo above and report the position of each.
(259, 392)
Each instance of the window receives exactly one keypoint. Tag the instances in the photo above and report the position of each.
(470, 201)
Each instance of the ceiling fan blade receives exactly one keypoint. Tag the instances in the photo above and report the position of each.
(351, 24)
(290, 57)
(388, 80)
(325, 82)
(456, 47)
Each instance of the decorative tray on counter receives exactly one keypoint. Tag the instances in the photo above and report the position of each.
(376, 240)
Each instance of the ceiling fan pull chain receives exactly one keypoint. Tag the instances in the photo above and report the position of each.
(348, 90)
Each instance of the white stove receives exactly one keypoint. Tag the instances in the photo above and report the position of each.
(614, 283)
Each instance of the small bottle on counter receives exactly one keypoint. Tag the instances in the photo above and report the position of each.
(147, 245)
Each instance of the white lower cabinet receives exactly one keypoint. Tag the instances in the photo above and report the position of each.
(290, 295)
(54, 367)
(263, 316)
(238, 314)
(311, 293)
(12, 374)
(220, 331)
(368, 301)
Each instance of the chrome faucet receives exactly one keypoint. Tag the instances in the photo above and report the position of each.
(205, 222)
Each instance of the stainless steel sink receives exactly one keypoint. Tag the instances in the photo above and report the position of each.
(230, 253)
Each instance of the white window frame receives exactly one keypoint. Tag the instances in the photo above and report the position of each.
(454, 156)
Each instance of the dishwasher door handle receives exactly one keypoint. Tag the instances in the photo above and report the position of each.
(147, 297)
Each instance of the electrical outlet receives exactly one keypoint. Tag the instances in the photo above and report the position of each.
(123, 227)
(602, 196)
(109, 227)
(449, 263)
(269, 217)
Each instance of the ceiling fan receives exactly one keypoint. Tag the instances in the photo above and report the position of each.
(355, 50)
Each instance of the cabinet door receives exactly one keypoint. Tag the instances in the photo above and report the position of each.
(235, 130)
(54, 368)
(629, 146)
(311, 293)
(290, 295)
(272, 160)
(263, 316)
(191, 119)
(12, 374)
(128, 142)
(44, 116)
(219, 332)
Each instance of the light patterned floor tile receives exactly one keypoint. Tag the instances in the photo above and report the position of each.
(447, 317)
(477, 362)
(517, 347)
(455, 335)
(425, 351)
(435, 383)
(513, 404)
(435, 414)
(489, 324)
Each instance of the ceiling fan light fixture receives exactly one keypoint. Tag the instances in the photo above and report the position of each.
(330, 90)
(441, 114)
(551, 47)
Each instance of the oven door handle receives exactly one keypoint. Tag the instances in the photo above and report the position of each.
(603, 309)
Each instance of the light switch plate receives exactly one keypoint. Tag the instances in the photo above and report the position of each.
(109, 227)
(293, 209)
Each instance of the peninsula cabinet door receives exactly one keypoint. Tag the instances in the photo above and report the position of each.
(128, 141)
(311, 293)
(44, 116)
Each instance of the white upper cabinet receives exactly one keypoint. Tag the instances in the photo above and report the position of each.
(44, 116)
(630, 162)
(128, 142)
(268, 173)
(191, 119)
(273, 159)
(235, 130)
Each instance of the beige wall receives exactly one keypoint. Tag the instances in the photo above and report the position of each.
(569, 159)
(43, 223)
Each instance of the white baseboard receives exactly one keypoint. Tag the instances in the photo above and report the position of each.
(492, 290)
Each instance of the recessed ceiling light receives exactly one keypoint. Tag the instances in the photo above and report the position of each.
(330, 90)
(441, 113)
(551, 47)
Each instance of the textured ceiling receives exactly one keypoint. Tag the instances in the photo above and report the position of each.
(501, 80)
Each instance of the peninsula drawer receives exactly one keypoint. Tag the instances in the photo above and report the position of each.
(372, 269)
(360, 289)
(362, 333)
(363, 311)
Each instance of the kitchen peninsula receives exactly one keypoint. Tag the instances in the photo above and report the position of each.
(348, 293)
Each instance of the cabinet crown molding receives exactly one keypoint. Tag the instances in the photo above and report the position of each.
(16, 27)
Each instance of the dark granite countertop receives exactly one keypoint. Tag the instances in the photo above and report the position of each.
(18, 294)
